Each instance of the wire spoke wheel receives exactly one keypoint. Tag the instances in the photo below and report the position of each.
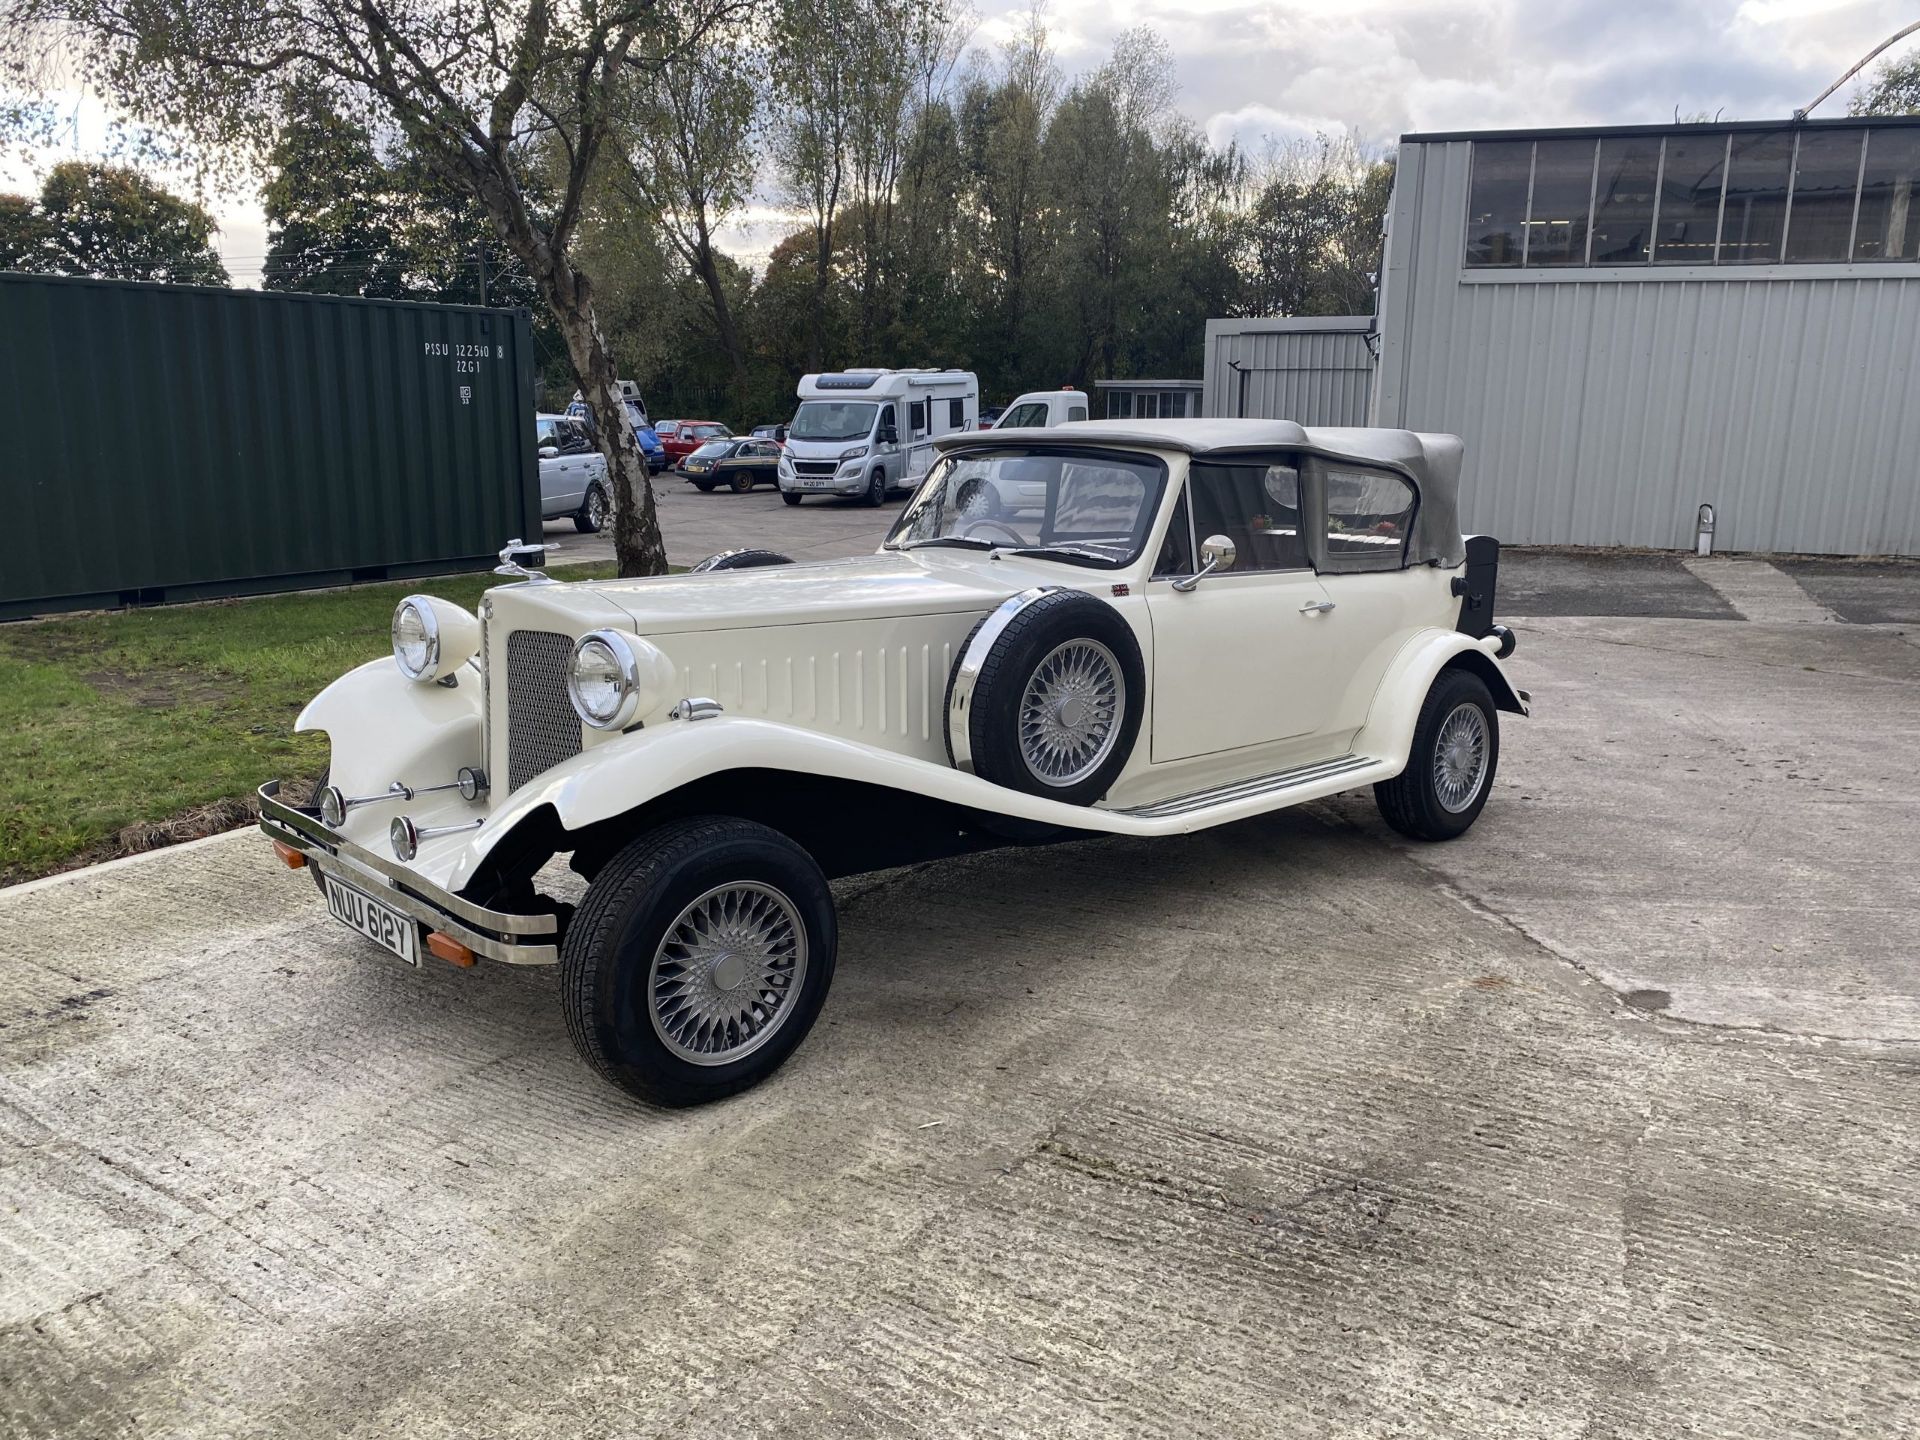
(727, 972)
(1460, 751)
(1070, 712)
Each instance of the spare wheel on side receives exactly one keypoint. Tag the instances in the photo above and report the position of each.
(1046, 696)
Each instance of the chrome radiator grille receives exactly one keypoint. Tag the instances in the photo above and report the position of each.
(542, 728)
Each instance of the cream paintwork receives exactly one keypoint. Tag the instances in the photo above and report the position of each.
(840, 669)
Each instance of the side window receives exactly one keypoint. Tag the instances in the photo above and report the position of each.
(956, 414)
(1031, 413)
(1176, 551)
(543, 431)
(1368, 513)
(1076, 412)
(1256, 505)
(917, 418)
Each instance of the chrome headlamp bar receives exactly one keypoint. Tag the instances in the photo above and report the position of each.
(334, 804)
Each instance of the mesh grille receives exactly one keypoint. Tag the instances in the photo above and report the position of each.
(815, 467)
(542, 728)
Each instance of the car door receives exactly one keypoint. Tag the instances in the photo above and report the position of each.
(552, 472)
(1244, 657)
(573, 464)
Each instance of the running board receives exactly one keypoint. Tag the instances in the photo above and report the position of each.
(1256, 788)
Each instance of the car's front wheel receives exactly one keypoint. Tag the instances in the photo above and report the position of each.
(699, 960)
(1450, 770)
(877, 487)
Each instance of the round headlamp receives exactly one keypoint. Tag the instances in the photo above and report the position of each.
(604, 680)
(333, 806)
(433, 638)
(416, 638)
(404, 835)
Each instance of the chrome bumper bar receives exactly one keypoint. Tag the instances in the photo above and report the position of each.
(494, 934)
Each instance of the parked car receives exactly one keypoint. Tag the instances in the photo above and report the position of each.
(689, 435)
(1043, 407)
(990, 415)
(573, 475)
(737, 464)
(643, 432)
(776, 433)
(1208, 620)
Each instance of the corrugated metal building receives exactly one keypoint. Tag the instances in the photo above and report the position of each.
(1317, 370)
(1627, 323)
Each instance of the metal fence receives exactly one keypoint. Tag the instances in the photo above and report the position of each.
(1316, 370)
(166, 443)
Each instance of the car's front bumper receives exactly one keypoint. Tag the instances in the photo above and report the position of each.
(493, 934)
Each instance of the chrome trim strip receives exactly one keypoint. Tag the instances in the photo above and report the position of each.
(966, 673)
(496, 934)
(1249, 789)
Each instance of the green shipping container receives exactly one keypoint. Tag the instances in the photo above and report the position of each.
(169, 442)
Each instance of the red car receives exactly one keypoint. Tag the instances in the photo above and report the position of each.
(680, 438)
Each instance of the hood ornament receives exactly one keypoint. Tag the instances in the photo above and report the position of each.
(517, 559)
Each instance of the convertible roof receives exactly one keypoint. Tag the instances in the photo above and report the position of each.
(1432, 462)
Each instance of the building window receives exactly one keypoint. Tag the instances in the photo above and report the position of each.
(1697, 196)
(1692, 177)
(1497, 201)
(1889, 226)
(1562, 200)
(1119, 404)
(1826, 175)
(1759, 171)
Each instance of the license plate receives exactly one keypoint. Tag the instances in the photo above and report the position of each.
(817, 484)
(386, 927)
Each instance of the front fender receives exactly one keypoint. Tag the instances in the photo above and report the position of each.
(1388, 732)
(384, 727)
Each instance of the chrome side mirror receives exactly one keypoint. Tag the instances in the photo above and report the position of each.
(1217, 553)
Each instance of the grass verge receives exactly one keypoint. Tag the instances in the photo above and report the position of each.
(131, 729)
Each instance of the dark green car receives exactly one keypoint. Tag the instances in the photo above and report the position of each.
(737, 464)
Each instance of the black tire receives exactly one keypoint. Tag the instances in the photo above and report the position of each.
(743, 482)
(740, 560)
(592, 515)
(790, 497)
(979, 500)
(705, 487)
(876, 493)
(993, 714)
(608, 959)
(1412, 802)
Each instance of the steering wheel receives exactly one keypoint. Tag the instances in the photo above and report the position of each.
(967, 530)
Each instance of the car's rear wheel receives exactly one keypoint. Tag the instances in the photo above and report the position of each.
(790, 497)
(705, 487)
(877, 487)
(979, 500)
(1046, 696)
(1450, 769)
(592, 516)
(699, 960)
(743, 482)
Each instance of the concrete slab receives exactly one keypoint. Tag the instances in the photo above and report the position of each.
(1560, 582)
(696, 526)
(1865, 592)
(1281, 1130)
(1759, 590)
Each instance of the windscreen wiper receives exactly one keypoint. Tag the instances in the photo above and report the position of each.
(963, 542)
(1059, 552)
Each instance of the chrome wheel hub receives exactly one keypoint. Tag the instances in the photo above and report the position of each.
(1070, 712)
(1460, 751)
(727, 973)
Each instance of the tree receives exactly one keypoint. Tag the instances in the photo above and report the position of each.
(512, 101)
(1313, 235)
(1895, 89)
(111, 223)
(817, 50)
(690, 163)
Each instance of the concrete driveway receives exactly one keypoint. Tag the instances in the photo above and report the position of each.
(1596, 1122)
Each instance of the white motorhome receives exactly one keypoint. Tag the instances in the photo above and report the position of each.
(869, 432)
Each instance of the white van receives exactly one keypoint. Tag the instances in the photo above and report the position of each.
(1039, 409)
(868, 432)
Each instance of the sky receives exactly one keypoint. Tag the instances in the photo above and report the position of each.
(1250, 69)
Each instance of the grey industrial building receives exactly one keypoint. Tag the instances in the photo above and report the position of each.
(1627, 323)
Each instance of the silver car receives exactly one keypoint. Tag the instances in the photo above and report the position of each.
(573, 475)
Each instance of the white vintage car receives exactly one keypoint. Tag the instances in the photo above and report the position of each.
(1205, 620)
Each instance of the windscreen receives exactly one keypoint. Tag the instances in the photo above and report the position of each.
(832, 420)
(712, 450)
(1091, 507)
